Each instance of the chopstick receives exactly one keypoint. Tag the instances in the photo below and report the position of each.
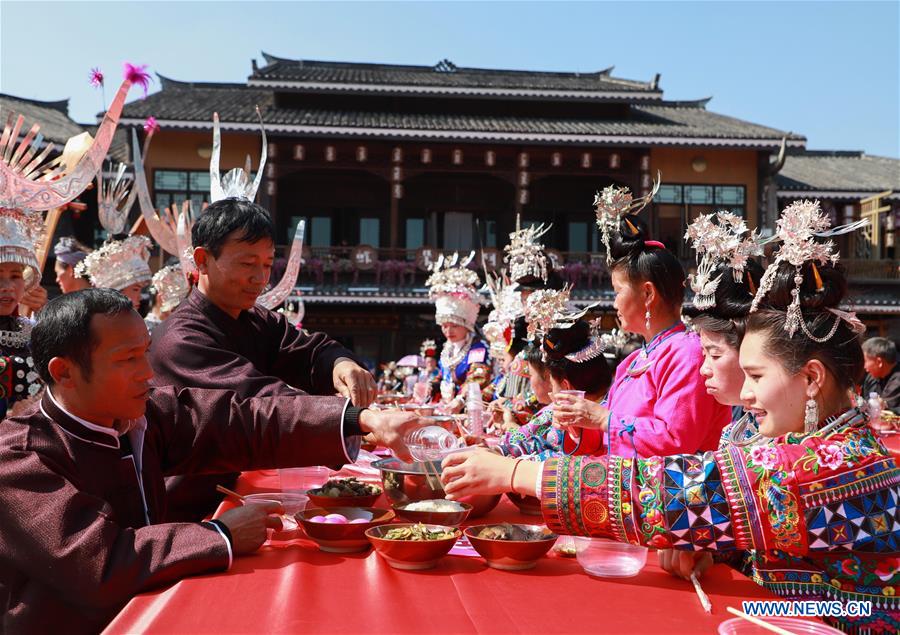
(759, 622)
(232, 493)
(428, 475)
(704, 599)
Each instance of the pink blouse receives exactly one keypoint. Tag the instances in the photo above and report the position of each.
(658, 403)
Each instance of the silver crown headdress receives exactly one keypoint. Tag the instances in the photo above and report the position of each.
(548, 309)
(30, 185)
(172, 230)
(725, 241)
(171, 286)
(801, 223)
(507, 303)
(524, 254)
(21, 235)
(236, 183)
(453, 287)
(428, 348)
(613, 205)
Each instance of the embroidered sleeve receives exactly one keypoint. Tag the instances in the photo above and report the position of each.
(794, 497)
(677, 501)
(18, 378)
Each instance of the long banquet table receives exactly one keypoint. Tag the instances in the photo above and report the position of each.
(292, 587)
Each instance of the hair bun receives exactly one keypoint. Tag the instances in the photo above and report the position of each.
(630, 238)
(561, 342)
(823, 286)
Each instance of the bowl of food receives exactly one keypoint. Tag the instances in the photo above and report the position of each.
(511, 547)
(437, 511)
(344, 492)
(528, 505)
(409, 482)
(413, 546)
(342, 529)
(292, 502)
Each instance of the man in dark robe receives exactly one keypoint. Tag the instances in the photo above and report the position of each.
(220, 338)
(81, 473)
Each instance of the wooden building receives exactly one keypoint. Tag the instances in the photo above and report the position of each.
(390, 165)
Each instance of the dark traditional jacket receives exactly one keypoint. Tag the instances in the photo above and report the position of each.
(80, 530)
(259, 354)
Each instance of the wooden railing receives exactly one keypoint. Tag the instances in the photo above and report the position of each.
(408, 266)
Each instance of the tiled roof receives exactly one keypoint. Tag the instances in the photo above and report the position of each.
(824, 171)
(442, 77)
(53, 117)
(192, 105)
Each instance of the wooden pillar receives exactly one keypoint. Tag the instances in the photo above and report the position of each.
(396, 180)
(395, 215)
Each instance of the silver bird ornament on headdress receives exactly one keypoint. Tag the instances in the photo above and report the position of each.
(614, 204)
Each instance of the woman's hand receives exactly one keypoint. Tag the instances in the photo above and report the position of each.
(570, 411)
(34, 300)
(484, 472)
(682, 563)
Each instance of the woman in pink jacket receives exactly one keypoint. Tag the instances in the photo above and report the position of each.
(657, 403)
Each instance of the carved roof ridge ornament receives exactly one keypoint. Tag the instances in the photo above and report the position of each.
(445, 66)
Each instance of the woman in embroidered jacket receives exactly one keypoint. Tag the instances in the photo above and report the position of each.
(19, 274)
(574, 361)
(813, 499)
(657, 403)
(464, 357)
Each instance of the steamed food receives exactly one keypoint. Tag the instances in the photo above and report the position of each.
(436, 505)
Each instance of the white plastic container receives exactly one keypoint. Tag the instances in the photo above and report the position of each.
(608, 558)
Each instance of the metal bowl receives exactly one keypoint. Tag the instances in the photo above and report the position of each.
(406, 482)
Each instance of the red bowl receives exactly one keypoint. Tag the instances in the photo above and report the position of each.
(343, 538)
(509, 555)
(329, 502)
(412, 555)
(528, 505)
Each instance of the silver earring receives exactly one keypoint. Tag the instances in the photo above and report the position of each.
(647, 318)
(811, 416)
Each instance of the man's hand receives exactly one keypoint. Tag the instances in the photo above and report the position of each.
(571, 411)
(34, 299)
(682, 563)
(354, 382)
(248, 524)
(389, 428)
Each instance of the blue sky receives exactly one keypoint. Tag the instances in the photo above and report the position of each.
(828, 70)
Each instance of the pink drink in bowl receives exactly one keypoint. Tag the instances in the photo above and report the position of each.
(575, 393)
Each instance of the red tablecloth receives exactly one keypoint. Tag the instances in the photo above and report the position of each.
(292, 587)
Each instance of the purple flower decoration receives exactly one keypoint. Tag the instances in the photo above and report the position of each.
(150, 126)
(138, 75)
(96, 77)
